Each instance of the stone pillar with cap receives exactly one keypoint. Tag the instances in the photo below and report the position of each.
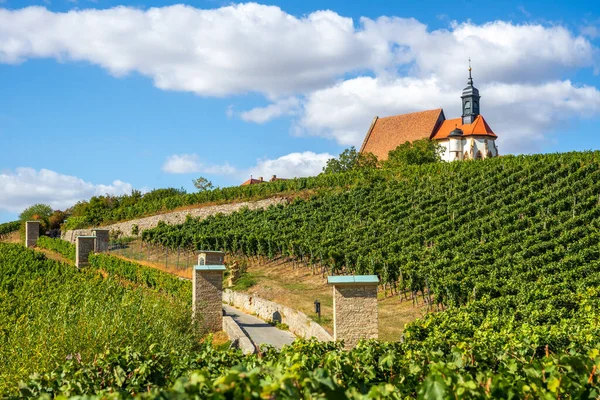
(32, 233)
(84, 245)
(208, 257)
(101, 243)
(354, 308)
(207, 291)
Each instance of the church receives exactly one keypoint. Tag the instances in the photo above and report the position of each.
(465, 138)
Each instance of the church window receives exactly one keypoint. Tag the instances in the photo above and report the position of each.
(467, 106)
(489, 154)
(479, 156)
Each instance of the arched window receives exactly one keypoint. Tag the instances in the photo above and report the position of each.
(489, 154)
(479, 156)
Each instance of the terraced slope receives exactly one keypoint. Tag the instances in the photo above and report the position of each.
(513, 240)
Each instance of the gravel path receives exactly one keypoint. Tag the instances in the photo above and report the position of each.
(258, 330)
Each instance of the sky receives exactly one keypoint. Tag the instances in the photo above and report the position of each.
(107, 96)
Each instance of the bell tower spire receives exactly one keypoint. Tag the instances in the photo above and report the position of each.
(470, 100)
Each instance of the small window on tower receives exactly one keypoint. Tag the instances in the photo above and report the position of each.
(467, 105)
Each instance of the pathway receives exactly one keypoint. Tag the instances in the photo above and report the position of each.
(258, 330)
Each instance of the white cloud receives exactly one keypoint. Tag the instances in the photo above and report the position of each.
(521, 114)
(258, 48)
(233, 49)
(24, 187)
(302, 64)
(291, 165)
(190, 163)
(289, 106)
(182, 164)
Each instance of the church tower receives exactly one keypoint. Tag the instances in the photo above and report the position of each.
(470, 101)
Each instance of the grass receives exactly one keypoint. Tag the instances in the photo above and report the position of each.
(246, 281)
(298, 288)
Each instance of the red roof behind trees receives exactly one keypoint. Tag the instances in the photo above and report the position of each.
(387, 133)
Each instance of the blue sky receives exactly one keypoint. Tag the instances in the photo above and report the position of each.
(106, 96)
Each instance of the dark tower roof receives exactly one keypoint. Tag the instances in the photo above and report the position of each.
(456, 132)
(470, 101)
(470, 90)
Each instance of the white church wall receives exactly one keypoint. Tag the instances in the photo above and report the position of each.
(478, 145)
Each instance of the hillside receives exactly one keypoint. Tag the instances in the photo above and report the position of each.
(51, 312)
(507, 250)
(507, 242)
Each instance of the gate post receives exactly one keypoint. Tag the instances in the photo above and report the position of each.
(207, 296)
(354, 308)
(84, 246)
(101, 243)
(32, 233)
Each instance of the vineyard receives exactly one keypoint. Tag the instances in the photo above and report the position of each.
(86, 333)
(101, 210)
(508, 242)
(8, 228)
(51, 312)
(506, 251)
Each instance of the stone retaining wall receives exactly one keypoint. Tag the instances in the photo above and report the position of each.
(299, 324)
(175, 217)
(236, 334)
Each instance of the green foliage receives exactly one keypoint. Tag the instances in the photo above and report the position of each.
(510, 247)
(348, 160)
(66, 249)
(142, 275)
(51, 312)
(9, 227)
(56, 219)
(202, 184)
(135, 230)
(245, 281)
(308, 369)
(101, 210)
(502, 242)
(37, 212)
(418, 152)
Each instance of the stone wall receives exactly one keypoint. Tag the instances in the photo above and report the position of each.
(207, 288)
(355, 313)
(237, 336)
(175, 217)
(299, 324)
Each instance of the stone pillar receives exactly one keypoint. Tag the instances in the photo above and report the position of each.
(32, 233)
(354, 308)
(206, 257)
(84, 246)
(207, 296)
(101, 243)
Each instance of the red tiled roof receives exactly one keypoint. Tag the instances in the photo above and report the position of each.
(478, 128)
(387, 133)
(252, 181)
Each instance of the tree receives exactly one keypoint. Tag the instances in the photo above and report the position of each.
(419, 152)
(37, 212)
(350, 159)
(202, 184)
